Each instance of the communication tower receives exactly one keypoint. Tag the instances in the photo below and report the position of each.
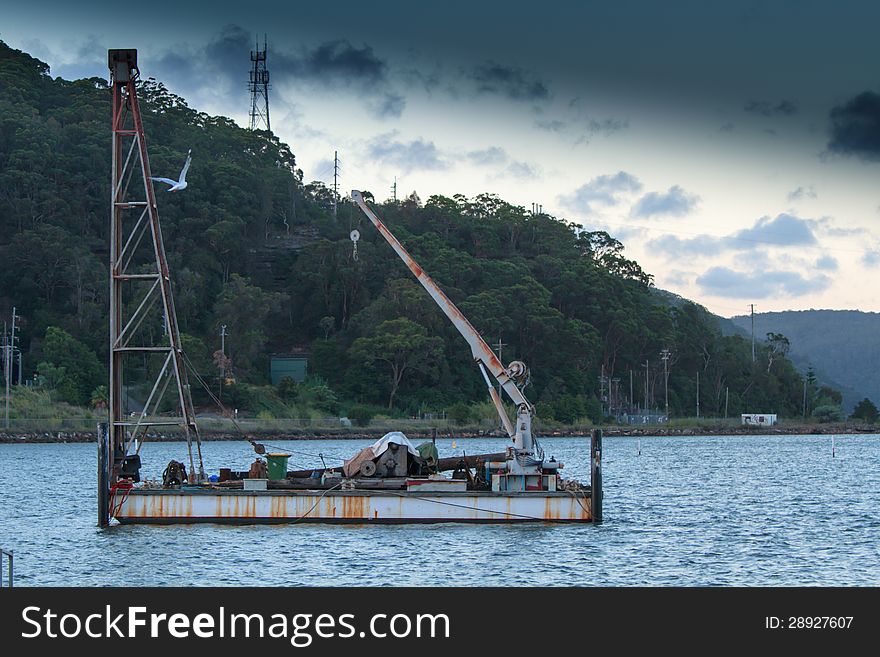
(259, 88)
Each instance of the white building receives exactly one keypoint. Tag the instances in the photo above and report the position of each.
(759, 419)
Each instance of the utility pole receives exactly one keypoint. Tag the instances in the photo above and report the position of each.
(223, 335)
(665, 356)
(7, 363)
(631, 400)
(602, 389)
(6, 372)
(335, 181)
(805, 397)
(698, 394)
(753, 332)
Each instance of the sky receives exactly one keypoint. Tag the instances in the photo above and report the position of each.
(733, 147)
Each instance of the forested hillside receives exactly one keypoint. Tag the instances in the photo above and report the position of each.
(842, 343)
(253, 246)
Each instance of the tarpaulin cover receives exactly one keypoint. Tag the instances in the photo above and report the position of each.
(353, 465)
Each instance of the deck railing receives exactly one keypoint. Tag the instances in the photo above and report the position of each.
(6, 555)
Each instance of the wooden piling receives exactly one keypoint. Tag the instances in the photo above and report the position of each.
(596, 474)
(103, 475)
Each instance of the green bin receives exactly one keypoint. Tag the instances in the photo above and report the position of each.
(277, 466)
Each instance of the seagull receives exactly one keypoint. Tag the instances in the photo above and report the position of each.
(177, 185)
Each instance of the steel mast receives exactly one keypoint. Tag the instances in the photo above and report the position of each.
(139, 268)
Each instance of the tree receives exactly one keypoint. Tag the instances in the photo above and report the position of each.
(327, 324)
(828, 413)
(245, 308)
(460, 413)
(71, 368)
(865, 410)
(403, 346)
(286, 389)
(779, 346)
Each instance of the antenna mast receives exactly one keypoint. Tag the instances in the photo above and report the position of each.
(144, 324)
(259, 87)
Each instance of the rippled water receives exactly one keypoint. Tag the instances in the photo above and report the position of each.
(724, 510)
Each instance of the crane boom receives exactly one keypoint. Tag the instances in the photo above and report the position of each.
(482, 353)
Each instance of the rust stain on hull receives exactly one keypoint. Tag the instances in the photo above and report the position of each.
(346, 507)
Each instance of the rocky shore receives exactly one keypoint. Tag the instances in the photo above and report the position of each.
(371, 434)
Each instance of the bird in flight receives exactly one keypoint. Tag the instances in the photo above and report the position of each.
(177, 185)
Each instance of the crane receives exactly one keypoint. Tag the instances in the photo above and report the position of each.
(526, 457)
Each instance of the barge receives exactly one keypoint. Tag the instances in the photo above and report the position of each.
(390, 481)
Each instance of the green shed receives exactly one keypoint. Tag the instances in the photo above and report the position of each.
(295, 367)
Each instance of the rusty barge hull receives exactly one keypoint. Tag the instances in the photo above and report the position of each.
(159, 506)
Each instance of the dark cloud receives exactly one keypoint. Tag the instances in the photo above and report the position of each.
(221, 67)
(827, 263)
(230, 50)
(521, 170)
(727, 127)
(725, 282)
(606, 126)
(338, 61)
(855, 127)
(406, 156)
(602, 190)
(768, 108)
(677, 277)
(784, 230)
(389, 105)
(676, 203)
(509, 81)
(802, 192)
(673, 247)
(551, 125)
(488, 156)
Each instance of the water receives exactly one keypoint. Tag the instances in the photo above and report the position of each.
(724, 510)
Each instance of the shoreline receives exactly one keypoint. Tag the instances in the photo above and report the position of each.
(47, 437)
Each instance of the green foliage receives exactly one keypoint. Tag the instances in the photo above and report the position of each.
(315, 392)
(460, 413)
(287, 389)
(568, 408)
(828, 413)
(36, 403)
(361, 414)
(545, 411)
(402, 346)
(100, 397)
(69, 367)
(866, 410)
